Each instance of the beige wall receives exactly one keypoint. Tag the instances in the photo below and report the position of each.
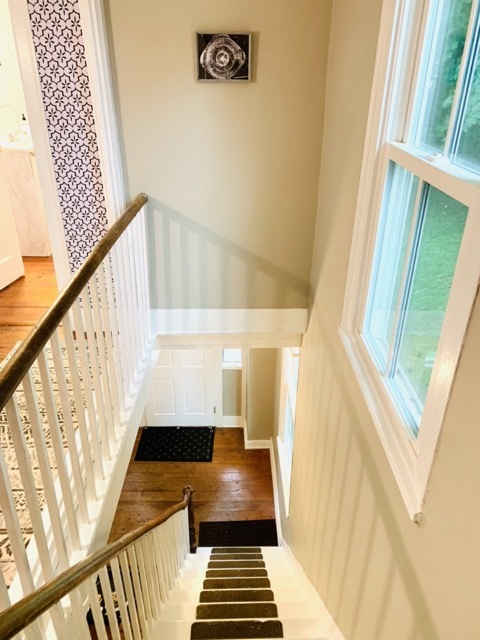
(381, 576)
(261, 381)
(231, 171)
(232, 392)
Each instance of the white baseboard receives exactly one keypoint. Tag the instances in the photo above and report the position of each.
(232, 421)
(331, 628)
(257, 444)
(280, 322)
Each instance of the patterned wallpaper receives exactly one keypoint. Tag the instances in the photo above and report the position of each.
(60, 53)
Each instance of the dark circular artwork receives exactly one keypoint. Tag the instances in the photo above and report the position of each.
(223, 56)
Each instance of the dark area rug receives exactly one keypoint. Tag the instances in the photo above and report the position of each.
(248, 533)
(176, 444)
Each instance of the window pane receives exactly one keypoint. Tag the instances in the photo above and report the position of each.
(468, 153)
(448, 30)
(391, 252)
(442, 223)
(232, 357)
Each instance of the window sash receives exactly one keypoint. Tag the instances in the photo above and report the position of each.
(390, 117)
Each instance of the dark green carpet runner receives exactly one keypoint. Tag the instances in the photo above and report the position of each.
(236, 599)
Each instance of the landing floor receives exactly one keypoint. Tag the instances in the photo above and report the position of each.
(236, 485)
(24, 302)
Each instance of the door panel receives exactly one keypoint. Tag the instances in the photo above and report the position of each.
(11, 263)
(183, 389)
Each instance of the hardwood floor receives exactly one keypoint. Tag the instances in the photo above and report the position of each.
(24, 302)
(236, 485)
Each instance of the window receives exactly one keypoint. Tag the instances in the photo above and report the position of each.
(415, 266)
(290, 364)
(231, 358)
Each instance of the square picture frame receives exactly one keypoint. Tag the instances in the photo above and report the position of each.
(223, 57)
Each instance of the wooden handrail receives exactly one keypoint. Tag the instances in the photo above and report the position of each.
(17, 367)
(29, 608)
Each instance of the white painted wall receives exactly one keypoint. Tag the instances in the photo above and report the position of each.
(231, 171)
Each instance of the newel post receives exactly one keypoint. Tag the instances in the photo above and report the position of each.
(191, 519)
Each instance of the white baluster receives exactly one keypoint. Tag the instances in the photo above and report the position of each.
(109, 603)
(155, 570)
(14, 530)
(57, 445)
(123, 320)
(147, 555)
(132, 608)
(110, 286)
(28, 483)
(93, 359)
(112, 365)
(102, 358)
(161, 568)
(89, 591)
(45, 469)
(92, 470)
(63, 399)
(139, 596)
(4, 597)
(143, 580)
(121, 599)
(88, 389)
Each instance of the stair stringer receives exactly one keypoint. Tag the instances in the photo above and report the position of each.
(311, 595)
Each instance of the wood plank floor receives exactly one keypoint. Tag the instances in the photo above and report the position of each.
(24, 302)
(236, 485)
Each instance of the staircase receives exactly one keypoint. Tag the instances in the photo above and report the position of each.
(243, 592)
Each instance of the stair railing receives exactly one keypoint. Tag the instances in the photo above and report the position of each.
(117, 592)
(66, 395)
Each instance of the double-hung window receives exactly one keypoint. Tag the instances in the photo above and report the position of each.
(415, 262)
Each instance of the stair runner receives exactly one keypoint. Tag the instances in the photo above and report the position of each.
(236, 600)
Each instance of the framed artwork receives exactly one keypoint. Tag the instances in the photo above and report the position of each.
(223, 57)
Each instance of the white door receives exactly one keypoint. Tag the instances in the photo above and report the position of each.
(11, 263)
(183, 389)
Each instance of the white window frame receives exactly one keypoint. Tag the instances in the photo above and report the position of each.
(410, 458)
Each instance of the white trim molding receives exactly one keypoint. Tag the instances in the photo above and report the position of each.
(281, 322)
(258, 444)
(233, 421)
(96, 53)
(331, 630)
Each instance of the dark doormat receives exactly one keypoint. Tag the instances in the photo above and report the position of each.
(238, 533)
(176, 444)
